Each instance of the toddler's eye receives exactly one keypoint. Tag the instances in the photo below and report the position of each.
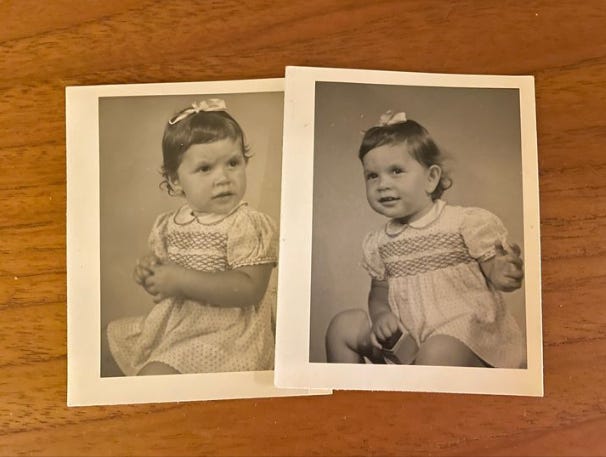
(397, 171)
(204, 168)
(233, 163)
(370, 176)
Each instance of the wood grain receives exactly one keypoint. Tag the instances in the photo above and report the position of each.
(45, 46)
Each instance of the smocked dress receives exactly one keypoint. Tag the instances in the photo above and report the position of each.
(194, 337)
(436, 286)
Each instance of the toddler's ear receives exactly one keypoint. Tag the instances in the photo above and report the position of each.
(434, 173)
(176, 186)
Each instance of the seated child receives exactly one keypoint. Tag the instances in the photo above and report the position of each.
(210, 262)
(437, 271)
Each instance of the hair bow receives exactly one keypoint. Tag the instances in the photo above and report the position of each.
(212, 104)
(389, 118)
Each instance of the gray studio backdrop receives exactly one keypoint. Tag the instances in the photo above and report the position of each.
(478, 128)
(130, 138)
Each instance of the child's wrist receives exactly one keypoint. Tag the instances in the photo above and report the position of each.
(379, 314)
(187, 281)
(382, 313)
(181, 278)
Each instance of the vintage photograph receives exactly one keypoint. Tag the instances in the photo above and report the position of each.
(188, 217)
(423, 246)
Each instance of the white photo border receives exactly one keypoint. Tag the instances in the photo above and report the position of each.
(293, 368)
(85, 385)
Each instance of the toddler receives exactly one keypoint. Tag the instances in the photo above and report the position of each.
(436, 270)
(210, 261)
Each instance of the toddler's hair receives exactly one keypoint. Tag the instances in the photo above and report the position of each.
(419, 143)
(196, 128)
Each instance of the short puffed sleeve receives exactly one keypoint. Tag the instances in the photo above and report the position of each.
(157, 236)
(252, 240)
(481, 230)
(371, 259)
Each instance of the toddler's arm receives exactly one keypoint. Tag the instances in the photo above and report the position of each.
(241, 287)
(384, 322)
(505, 269)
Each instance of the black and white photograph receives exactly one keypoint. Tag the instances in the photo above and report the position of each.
(183, 181)
(422, 245)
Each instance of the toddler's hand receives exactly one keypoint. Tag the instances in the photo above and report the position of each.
(506, 270)
(143, 268)
(163, 281)
(383, 327)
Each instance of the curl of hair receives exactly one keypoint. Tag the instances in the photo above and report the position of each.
(418, 142)
(198, 128)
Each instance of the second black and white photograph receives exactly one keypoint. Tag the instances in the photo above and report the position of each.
(418, 250)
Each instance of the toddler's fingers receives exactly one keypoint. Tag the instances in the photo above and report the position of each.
(387, 333)
(516, 273)
(380, 333)
(515, 260)
(515, 249)
(154, 269)
(152, 262)
(137, 277)
(151, 292)
(151, 287)
(511, 285)
(392, 327)
(144, 270)
(374, 341)
(148, 259)
(499, 249)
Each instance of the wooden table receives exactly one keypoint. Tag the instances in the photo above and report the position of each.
(45, 46)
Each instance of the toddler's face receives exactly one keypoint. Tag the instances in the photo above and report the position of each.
(397, 186)
(212, 176)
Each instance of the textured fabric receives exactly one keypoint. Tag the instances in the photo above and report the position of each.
(436, 286)
(194, 337)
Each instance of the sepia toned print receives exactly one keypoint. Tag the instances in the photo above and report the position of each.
(423, 254)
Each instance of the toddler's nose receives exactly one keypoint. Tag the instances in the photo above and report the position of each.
(221, 177)
(383, 183)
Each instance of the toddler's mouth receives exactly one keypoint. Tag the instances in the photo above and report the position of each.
(388, 199)
(222, 195)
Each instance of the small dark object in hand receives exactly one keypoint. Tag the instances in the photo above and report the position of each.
(390, 343)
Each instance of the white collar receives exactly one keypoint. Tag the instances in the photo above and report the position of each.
(394, 227)
(186, 215)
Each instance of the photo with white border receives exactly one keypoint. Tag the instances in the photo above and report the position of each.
(127, 206)
(459, 279)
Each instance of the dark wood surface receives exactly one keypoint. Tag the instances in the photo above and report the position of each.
(45, 46)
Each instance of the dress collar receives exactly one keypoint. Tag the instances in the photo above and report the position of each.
(186, 215)
(395, 227)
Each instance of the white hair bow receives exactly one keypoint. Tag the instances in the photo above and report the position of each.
(389, 118)
(212, 104)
